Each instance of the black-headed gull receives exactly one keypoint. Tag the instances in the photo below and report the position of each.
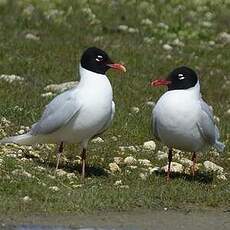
(181, 119)
(78, 114)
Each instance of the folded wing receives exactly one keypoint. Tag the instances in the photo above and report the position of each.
(206, 124)
(57, 113)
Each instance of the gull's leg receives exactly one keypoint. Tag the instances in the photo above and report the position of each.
(83, 159)
(193, 163)
(60, 150)
(169, 164)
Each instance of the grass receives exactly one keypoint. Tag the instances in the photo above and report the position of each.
(65, 29)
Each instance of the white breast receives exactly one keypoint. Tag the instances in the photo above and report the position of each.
(176, 114)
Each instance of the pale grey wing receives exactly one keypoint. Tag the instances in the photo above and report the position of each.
(154, 126)
(206, 124)
(108, 122)
(57, 113)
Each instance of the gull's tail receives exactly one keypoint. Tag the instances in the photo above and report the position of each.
(219, 146)
(24, 139)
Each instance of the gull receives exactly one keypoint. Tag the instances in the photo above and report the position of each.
(181, 119)
(79, 114)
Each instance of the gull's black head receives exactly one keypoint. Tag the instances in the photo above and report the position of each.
(98, 61)
(182, 78)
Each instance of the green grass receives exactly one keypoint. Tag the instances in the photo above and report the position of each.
(54, 59)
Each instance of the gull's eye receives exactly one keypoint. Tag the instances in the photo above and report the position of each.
(99, 58)
(181, 76)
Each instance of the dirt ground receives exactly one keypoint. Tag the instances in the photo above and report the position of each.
(135, 220)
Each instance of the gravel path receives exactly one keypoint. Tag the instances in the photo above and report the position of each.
(136, 220)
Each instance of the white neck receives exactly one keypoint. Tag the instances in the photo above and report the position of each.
(195, 90)
(94, 83)
(86, 75)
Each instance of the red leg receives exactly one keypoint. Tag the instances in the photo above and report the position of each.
(83, 159)
(169, 164)
(193, 163)
(60, 150)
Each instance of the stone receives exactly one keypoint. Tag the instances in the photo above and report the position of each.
(149, 145)
(113, 167)
(161, 155)
(212, 167)
(175, 167)
(130, 160)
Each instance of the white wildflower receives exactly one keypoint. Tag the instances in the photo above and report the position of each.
(21, 172)
(167, 47)
(143, 176)
(114, 167)
(135, 110)
(161, 155)
(163, 25)
(130, 160)
(26, 199)
(149, 145)
(212, 167)
(123, 28)
(48, 94)
(54, 188)
(30, 36)
(118, 160)
(118, 182)
(59, 88)
(11, 78)
(175, 167)
(146, 21)
(145, 162)
(97, 140)
(133, 30)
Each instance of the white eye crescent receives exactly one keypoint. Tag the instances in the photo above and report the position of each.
(99, 58)
(181, 76)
